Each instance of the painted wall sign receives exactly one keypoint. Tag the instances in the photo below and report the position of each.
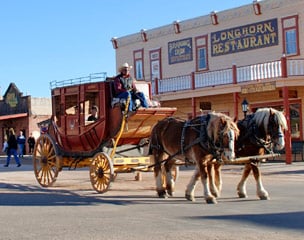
(180, 51)
(258, 87)
(243, 38)
(11, 99)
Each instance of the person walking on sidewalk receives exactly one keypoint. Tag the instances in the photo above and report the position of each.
(21, 143)
(12, 148)
(31, 142)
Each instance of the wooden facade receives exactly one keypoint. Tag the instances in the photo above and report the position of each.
(214, 62)
(22, 113)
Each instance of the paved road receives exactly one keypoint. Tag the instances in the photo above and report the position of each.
(130, 210)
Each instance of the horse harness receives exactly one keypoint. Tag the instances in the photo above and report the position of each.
(203, 140)
(254, 134)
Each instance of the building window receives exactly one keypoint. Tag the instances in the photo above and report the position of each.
(155, 64)
(138, 63)
(290, 36)
(201, 53)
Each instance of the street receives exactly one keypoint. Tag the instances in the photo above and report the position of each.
(71, 209)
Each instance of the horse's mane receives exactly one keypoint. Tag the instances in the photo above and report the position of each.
(214, 123)
(261, 117)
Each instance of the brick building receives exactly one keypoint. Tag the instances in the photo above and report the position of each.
(216, 61)
(22, 113)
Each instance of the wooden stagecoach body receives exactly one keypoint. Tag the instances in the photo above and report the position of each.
(72, 141)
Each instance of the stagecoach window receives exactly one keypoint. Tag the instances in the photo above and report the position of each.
(71, 104)
(91, 99)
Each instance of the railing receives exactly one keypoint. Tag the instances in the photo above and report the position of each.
(180, 83)
(261, 71)
(295, 67)
(208, 79)
(93, 77)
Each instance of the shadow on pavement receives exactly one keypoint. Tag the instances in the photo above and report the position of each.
(288, 220)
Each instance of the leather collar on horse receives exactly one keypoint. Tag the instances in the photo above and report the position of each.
(254, 134)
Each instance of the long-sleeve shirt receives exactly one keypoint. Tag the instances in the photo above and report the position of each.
(124, 84)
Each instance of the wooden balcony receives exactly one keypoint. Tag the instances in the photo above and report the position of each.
(262, 72)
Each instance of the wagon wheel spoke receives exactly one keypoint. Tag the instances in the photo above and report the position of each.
(101, 172)
(45, 161)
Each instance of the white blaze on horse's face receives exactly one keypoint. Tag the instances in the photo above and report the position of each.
(229, 153)
(280, 143)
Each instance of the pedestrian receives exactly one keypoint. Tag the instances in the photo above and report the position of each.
(12, 148)
(125, 88)
(21, 143)
(31, 142)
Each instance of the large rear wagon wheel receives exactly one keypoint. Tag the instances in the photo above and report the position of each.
(101, 172)
(45, 160)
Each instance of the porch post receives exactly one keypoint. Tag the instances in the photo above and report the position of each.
(288, 152)
(235, 94)
(193, 99)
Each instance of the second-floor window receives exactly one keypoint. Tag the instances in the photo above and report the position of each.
(201, 53)
(290, 35)
(138, 63)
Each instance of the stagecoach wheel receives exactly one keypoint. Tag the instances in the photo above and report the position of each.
(101, 172)
(45, 160)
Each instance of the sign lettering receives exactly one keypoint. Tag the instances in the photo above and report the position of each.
(180, 51)
(243, 38)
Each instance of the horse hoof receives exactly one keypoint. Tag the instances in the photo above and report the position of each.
(162, 194)
(264, 198)
(211, 201)
(189, 197)
(242, 195)
(170, 193)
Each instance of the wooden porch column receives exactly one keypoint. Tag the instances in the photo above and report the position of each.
(193, 99)
(288, 152)
(235, 94)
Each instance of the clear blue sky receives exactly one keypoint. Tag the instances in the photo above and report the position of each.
(46, 40)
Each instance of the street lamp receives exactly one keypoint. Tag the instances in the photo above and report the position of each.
(245, 107)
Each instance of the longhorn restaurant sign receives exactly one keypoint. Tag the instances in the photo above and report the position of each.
(243, 38)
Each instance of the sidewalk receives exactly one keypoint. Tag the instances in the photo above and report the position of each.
(26, 160)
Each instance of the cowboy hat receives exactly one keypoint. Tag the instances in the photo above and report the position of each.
(125, 65)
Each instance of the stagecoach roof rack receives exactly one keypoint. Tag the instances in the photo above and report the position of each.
(93, 77)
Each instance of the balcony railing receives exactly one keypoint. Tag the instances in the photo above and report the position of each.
(261, 71)
(93, 77)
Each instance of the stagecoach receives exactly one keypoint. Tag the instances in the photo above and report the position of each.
(68, 140)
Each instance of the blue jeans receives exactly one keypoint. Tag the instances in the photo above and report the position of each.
(12, 152)
(21, 149)
(133, 96)
(142, 99)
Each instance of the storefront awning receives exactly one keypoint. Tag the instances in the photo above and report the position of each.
(18, 115)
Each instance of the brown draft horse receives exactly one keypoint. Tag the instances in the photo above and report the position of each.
(260, 133)
(200, 140)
